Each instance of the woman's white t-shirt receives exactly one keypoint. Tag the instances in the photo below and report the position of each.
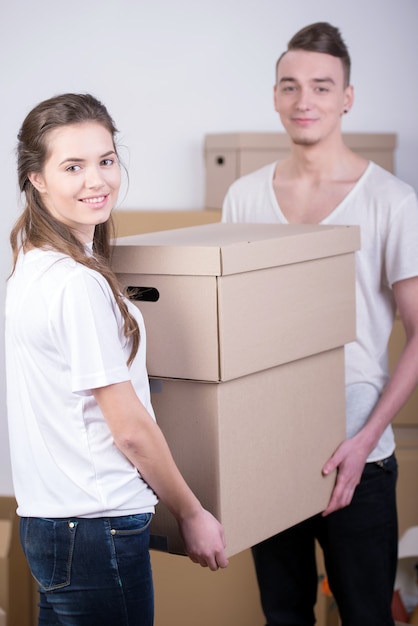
(64, 337)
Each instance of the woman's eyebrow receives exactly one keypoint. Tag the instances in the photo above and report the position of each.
(78, 160)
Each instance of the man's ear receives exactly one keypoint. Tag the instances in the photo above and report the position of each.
(37, 181)
(348, 98)
(275, 96)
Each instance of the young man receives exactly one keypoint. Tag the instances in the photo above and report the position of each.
(323, 182)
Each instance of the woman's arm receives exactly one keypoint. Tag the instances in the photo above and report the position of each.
(137, 435)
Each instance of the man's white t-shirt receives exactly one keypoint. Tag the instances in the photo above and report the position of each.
(64, 337)
(386, 210)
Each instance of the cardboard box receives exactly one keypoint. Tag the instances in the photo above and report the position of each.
(5, 541)
(136, 221)
(16, 586)
(252, 449)
(229, 156)
(245, 332)
(232, 299)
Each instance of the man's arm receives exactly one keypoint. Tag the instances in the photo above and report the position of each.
(350, 457)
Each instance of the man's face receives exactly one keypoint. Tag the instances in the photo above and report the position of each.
(310, 96)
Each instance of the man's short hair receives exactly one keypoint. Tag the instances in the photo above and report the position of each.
(321, 37)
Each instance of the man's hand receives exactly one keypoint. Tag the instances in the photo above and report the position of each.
(349, 461)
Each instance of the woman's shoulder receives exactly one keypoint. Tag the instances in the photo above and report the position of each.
(56, 268)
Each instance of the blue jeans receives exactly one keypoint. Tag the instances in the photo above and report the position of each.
(91, 572)
(360, 552)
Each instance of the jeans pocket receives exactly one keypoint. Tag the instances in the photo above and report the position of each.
(48, 545)
(388, 465)
(130, 524)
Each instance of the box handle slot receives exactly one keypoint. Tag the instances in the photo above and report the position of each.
(143, 294)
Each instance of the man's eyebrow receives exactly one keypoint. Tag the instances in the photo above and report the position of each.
(78, 160)
(326, 79)
(290, 79)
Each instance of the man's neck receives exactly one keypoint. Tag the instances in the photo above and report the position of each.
(315, 179)
(322, 161)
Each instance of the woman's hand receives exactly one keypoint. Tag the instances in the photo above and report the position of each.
(204, 540)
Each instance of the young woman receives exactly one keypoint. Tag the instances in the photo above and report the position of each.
(88, 458)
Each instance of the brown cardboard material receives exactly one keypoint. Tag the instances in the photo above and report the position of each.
(3, 621)
(238, 298)
(229, 156)
(252, 448)
(132, 222)
(16, 587)
(5, 541)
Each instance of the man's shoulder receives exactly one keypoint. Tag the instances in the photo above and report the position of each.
(380, 180)
(251, 197)
(254, 180)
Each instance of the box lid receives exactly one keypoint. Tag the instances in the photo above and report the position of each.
(279, 141)
(247, 141)
(222, 249)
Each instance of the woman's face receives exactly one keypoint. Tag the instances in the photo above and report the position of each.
(80, 181)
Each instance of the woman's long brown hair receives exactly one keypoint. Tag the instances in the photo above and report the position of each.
(36, 227)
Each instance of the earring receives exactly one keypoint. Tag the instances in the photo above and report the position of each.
(345, 111)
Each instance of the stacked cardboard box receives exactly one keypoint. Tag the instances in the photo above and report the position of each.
(16, 585)
(246, 326)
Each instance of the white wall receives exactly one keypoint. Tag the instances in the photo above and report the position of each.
(171, 71)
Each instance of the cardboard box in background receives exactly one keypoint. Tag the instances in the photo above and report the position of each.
(5, 541)
(226, 300)
(229, 156)
(16, 583)
(132, 222)
(252, 448)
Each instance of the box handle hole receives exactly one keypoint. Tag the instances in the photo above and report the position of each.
(143, 294)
